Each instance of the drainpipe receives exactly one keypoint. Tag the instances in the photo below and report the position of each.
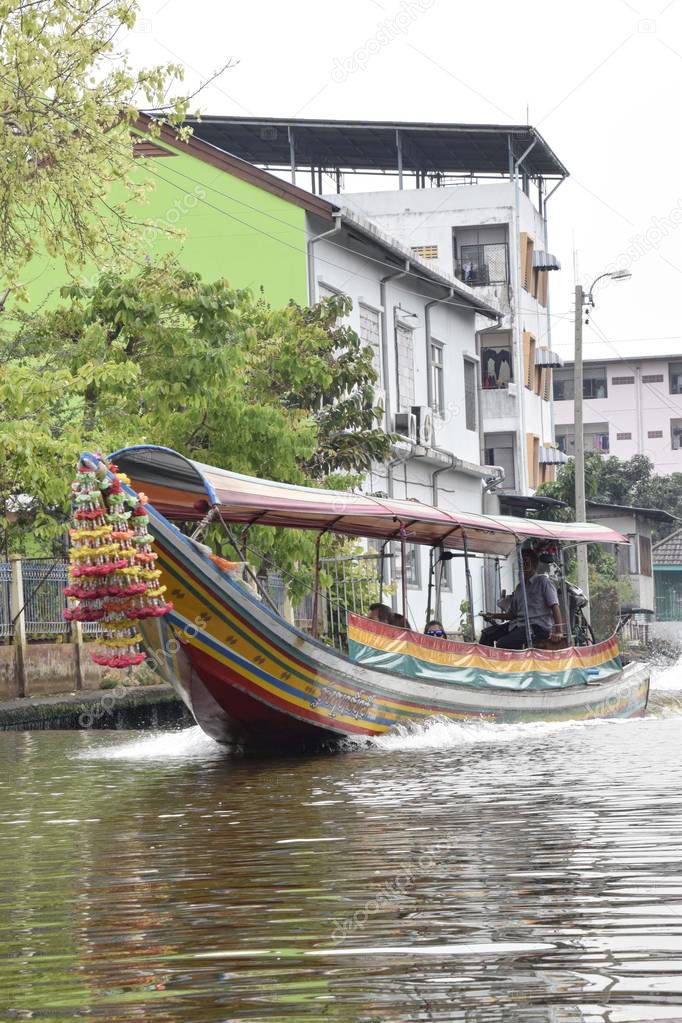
(311, 255)
(427, 336)
(390, 466)
(547, 308)
(520, 386)
(385, 362)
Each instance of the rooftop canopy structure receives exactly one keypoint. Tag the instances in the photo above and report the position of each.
(427, 150)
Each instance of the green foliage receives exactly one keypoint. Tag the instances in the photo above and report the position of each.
(163, 357)
(67, 100)
(621, 481)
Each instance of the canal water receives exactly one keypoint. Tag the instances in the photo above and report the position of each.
(455, 873)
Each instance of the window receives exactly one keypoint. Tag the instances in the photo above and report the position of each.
(622, 380)
(533, 455)
(652, 434)
(437, 391)
(531, 380)
(564, 385)
(645, 556)
(676, 433)
(404, 339)
(623, 436)
(565, 438)
(470, 394)
(676, 377)
(628, 557)
(412, 565)
(481, 254)
(425, 251)
(526, 261)
(499, 450)
(594, 382)
(370, 334)
(483, 264)
(496, 361)
(596, 438)
(653, 378)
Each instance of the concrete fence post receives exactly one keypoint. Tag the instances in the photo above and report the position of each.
(16, 606)
(77, 641)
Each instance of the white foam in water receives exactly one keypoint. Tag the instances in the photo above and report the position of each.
(440, 733)
(668, 679)
(186, 745)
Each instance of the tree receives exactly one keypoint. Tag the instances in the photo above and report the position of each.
(621, 481)
(67, 101)
(164, 357)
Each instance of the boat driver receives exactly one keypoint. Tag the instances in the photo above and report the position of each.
(544, 612)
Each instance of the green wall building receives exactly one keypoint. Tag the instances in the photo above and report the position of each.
(232, 220)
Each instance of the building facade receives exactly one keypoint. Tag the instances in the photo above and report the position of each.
(631, 406)
(471, 199)
(421, 325)
(492, 237)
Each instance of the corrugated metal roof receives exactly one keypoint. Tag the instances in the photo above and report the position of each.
(373, 145)
(547, 357)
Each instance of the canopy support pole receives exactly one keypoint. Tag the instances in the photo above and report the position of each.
(254, 578)
(204, 524)
(524, 597)
(470, 591)
(403, 571)
(429, 592)
(316, 591)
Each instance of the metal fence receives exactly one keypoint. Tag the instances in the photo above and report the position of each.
(353, 583)
(44, 580)
(669, 606)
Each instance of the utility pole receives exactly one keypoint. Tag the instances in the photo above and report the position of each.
(580, 503)
(581, 304)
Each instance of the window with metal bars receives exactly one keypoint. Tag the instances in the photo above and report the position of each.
(437, 378)
(370, 334)
(470, 394)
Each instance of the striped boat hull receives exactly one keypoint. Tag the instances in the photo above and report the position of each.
(253, 679)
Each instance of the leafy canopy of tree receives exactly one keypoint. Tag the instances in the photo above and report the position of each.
(67, 100)
(621, 481)
(163, 357)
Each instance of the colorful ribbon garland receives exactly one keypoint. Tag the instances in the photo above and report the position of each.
(111, 578)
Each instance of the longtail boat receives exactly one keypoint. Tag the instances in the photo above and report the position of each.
(250, 677)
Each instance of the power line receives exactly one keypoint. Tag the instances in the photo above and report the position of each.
(275, 238)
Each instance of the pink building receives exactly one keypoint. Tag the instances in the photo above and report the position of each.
(632, 406)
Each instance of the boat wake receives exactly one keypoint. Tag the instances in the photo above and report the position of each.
(441, 733)
(190, 744)
(667, 678)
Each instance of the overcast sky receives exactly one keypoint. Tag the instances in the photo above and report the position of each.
(600, 80)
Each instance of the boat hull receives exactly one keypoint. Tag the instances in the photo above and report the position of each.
(252, 679)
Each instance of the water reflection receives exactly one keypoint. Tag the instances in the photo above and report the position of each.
(532, 873)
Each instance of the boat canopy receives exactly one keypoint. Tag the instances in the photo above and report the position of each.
(184, 490)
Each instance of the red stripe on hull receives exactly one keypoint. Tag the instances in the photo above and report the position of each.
(244, 703)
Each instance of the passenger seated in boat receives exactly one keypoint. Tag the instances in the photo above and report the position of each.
(434, 628)
(380, 613)
(400, 621)
(543, 611)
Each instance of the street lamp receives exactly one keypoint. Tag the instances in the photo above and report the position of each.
(581, 302)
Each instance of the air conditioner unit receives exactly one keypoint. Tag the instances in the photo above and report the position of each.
(424, 417)
(405, 425)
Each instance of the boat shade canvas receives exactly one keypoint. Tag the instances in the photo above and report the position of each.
(184, 490)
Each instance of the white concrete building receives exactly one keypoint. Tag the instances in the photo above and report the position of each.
(449, 281)
(421, 325)
(631, 406)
